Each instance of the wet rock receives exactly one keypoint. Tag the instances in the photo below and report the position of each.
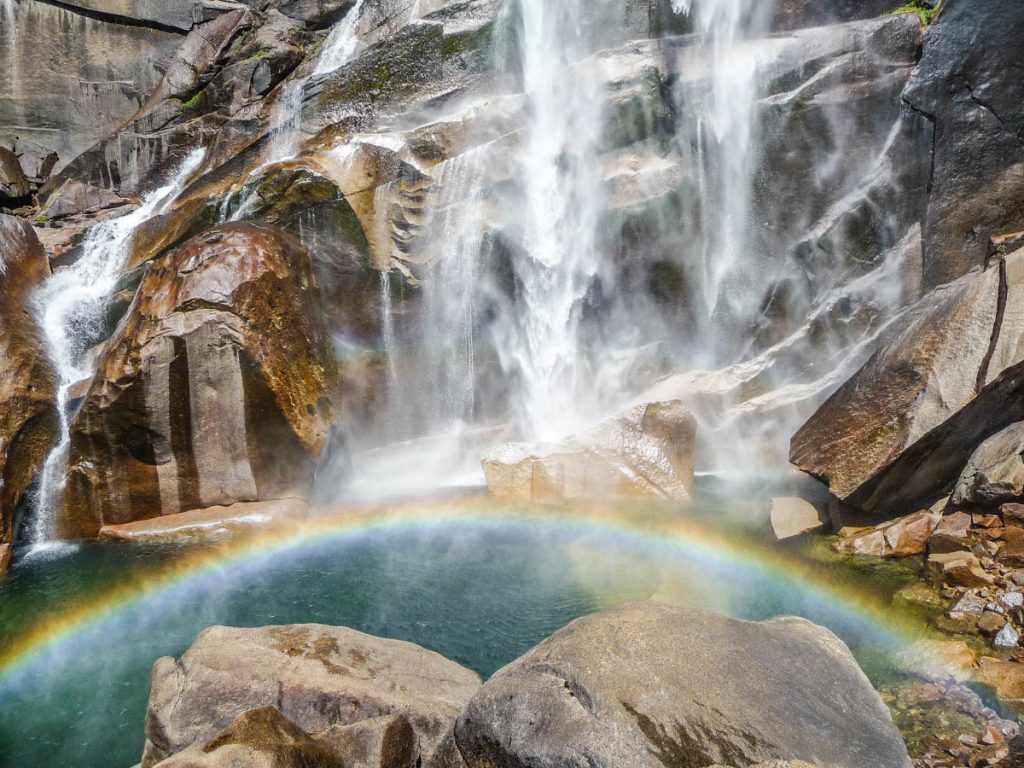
(315, 676)
(1007, 637)
(641, 685)
(259, 738)
(960, 569)
(316, 14)
(938, 659)
(970, 82)
(899, 432)
(995, 471)
(213, 522)
(28, 413)
(646, 451)
(74, 197)
(14, 186)
(216, 388)
(906, 536)
(791, 516)
(1005, 678)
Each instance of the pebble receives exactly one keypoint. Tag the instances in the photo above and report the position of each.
(969, 604)
(1013, 599)
(1007, 637)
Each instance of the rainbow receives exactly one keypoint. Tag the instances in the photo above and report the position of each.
(686, 537)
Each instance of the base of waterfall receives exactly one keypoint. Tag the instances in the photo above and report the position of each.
(644, 684)
(645, 451)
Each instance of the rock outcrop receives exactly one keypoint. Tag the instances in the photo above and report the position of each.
(216, 387)
(322, 679)
(28, 412)
(897, 435)
(646, 451)
(649, 685)
(995, 472)
(970, 83)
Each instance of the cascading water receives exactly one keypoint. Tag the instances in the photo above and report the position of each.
(71, 307)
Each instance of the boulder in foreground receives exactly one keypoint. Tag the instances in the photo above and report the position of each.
(317, 677)
(646, 451)
(650, 685)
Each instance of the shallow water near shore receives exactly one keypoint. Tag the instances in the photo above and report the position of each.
(82, 624)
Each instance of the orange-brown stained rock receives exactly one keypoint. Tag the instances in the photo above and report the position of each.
(216, 388)
(28, 414)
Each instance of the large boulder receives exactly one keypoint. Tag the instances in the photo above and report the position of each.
(321, 678)
(995, 472)
(14, 186)
(970, 82)
(28, 412)
(217, 386)
(896, 436)
(650, 685)
(646, 451)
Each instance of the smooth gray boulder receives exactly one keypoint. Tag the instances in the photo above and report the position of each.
(970, 83)
(896, 436)
(995, 472)
(650, 685)
(316, 676)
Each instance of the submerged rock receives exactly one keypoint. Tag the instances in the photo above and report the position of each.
(28, 411)
(650, 685)
(646, 451)
(216, 388)
(898, 434)
(317, 677)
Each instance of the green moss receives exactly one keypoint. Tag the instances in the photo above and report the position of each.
(187, 105)
(42, 219)
(924, 14)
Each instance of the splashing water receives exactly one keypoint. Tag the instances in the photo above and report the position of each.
(341, 44)
(71, 310)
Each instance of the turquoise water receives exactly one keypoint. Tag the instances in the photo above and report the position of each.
(479, 592)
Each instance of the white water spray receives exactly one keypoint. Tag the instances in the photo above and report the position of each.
(70, 308)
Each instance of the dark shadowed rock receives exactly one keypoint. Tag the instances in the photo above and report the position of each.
(649, 685)
(216, 388)
(14, 186)
(995, 472)
(318, 677)
(970, 82)
(28, 413)
(379, 742)
(898, 434)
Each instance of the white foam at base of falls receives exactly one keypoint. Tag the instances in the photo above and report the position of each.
(70, 308)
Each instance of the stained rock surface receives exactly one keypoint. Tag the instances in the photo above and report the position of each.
(651, 685)
(216, 387)
(28, 412)
(317, 677)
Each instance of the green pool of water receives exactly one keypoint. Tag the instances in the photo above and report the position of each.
(479, 592)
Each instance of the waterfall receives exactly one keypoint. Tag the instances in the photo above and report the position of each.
(561, 206)
(340, 45)
(70, 307)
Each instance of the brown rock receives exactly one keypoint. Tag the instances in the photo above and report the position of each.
(1012, 552)
(952, 534)
(938, 659)
(259, 738)
(986, 521)
(960, 569)
(1013, 515)
(215, 389)
(28, 413)
(380, 742)
(212, 522)
(13, 184)
(5, 558)
(792, 516)
(646, 451)
(991, 622)
(906, 536)
(1005, 678)
(316, 676)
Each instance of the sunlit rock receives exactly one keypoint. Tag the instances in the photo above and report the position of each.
(316, 676)
(938, 659)
(28, 413)
(792, 516)
(959, 569)
(216, 388)
(646, 451)
(995, 472)
(648, 685)
(906, 536)
(212, 522)
(898, 434)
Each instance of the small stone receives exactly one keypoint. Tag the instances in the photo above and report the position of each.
(966, 738)
(960, 569)
(992, 736)
(991, 623)
(1017, 577)
(986, 521)
(969, 605)
(1007, 637)
(995, 608)
(1012, 553)
(1013, 515)
(1013, 599)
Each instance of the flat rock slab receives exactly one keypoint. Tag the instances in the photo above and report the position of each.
(213, 522)
(650, 685)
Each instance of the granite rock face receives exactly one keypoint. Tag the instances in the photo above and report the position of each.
(650, 685)
(320, 678)
(897, 435)
(216, 387)
(28, 412)
(970, 83)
